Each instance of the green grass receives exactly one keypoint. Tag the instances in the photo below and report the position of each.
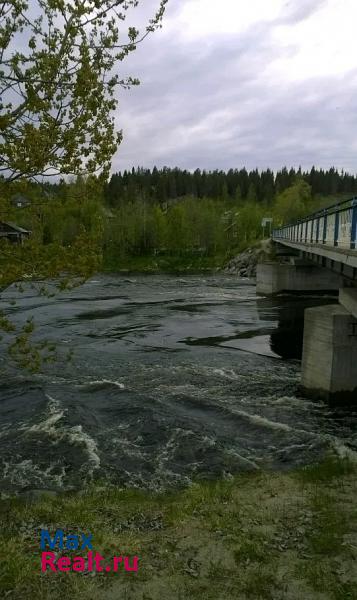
(259, 535)
(164, 264)
(184, 262)
(261, 582)
(329, 470)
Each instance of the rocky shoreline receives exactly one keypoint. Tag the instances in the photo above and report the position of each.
(245, 264)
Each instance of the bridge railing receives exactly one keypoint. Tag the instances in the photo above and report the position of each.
(335, 225)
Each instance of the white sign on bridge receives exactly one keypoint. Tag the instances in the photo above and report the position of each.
(266, 221)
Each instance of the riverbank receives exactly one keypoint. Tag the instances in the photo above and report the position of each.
(262, 535)
(243, 263)
(150, 264)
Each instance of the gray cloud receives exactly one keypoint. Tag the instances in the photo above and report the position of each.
(212, 104)
(294, 11)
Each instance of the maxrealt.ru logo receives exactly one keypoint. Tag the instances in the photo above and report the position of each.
(91, 562)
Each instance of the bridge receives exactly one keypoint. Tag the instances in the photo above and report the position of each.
(328, 237)
(319, 254)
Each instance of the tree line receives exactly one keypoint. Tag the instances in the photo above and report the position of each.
(163, 185)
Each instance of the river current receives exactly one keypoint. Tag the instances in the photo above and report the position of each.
(171, 380)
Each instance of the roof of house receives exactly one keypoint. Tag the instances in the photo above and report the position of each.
(15, 227)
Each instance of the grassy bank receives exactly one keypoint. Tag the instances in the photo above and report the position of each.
(262, 535)
(164, 264)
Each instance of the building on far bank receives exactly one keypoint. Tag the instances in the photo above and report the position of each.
(13, 233)
(20, 201)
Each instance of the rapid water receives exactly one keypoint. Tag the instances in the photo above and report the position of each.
(171, 380)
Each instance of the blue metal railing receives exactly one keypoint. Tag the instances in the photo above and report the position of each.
(335, 225)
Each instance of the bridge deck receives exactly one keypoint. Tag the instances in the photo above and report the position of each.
(341, 255)
(328, 237)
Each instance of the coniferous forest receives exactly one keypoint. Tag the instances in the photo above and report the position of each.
(160, 185)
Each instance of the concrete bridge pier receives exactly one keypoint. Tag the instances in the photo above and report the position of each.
(329, 361)
(295, 275)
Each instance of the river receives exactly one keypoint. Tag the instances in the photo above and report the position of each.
(171, 380)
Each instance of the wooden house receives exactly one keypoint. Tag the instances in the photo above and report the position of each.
(13, 233)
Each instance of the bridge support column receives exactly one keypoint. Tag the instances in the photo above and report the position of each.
(329, 362)
(296, 276)
(348, 299)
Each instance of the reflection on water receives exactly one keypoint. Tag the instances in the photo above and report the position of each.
(171, 380)
(286, 340)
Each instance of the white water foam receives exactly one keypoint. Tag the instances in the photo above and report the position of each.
(226, 373)
(343, 451)
(128, 448)
(167, 451)
(77, 436)
(27, 472)
(103, 382)
(74, 435)
(55, 414)
(263, 422)
(244, 460)
(292, 447)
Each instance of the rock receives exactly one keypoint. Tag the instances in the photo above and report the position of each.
(245, 264)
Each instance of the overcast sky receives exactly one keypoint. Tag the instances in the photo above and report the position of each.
(233, 83)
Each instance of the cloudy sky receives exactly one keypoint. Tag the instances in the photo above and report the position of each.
(255, 83)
